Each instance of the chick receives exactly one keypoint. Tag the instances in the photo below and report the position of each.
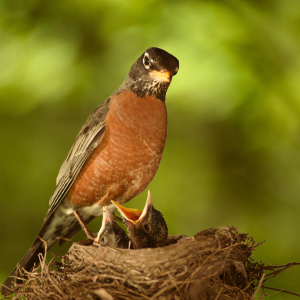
(147, 228)
(111, 234)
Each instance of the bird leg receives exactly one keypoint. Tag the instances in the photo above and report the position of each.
(88, 233)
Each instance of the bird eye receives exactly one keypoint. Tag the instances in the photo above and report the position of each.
(146, 226)
(102, 240)
(146, 61)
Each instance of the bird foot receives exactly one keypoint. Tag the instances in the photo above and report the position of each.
(92, 236)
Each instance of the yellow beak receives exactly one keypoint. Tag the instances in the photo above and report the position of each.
(131, 214)
(164, 75)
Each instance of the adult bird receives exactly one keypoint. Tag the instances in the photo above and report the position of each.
(147, 228)
(114, 157)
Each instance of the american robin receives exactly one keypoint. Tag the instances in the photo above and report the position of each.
(114, 157)
(111, 234)
(146, 229)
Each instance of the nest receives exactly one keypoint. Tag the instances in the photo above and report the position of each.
(213, 264)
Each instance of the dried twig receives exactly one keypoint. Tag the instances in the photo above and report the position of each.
(282, 290)
(259, 285)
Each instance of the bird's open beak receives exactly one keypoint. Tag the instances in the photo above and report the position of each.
(131, 214)
(107, 216)
(107, 219)
(147, 207)
(162, 75)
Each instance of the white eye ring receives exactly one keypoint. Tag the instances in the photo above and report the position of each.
(146, 61)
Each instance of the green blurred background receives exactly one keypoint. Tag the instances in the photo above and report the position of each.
(232, 156)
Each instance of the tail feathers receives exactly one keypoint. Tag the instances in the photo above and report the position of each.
(30, 259)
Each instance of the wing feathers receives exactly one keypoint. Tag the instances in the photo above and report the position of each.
(86, 141)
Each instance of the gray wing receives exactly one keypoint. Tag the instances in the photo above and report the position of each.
(86, 141)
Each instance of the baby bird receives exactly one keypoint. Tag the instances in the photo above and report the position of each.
(111, 234)
(147, 228)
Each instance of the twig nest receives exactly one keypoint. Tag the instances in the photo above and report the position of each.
(213, 264)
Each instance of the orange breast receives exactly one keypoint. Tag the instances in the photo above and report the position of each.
(129, 154)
